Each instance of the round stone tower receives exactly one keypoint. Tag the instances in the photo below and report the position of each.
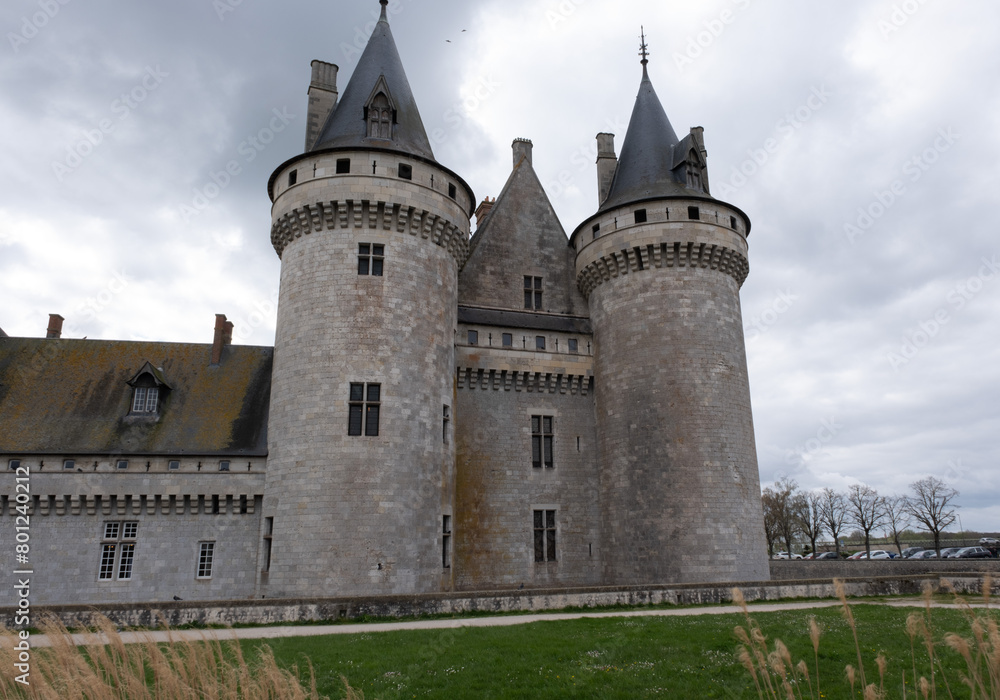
(371, 232)
(662, 263)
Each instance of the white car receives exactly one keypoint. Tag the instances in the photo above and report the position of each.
(786, 555)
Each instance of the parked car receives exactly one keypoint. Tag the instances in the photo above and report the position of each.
(949, 552)
(875, 554)
(826, 555)
(925, 554)
(785, 555)
(973, 553)
(989, 542)
(910, 551)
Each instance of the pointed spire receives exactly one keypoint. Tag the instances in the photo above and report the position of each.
(379, 72)
(645, 167)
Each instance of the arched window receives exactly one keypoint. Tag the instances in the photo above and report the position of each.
(694, 172)
(380, 118)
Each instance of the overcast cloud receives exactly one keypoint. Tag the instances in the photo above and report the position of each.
(860, 137)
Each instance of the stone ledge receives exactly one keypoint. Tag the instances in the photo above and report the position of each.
(527, 600)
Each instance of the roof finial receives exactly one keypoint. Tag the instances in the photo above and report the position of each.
(644, 50)
(384, 17)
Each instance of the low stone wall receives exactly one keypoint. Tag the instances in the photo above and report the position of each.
(327, 609)
(784, 570)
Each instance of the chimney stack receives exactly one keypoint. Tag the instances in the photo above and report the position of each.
(223, 337)
(607, 164)
(484, 208)
(322, 99)
(522, 149)
(54, 330)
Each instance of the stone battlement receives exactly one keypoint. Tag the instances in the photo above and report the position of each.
(135, 505)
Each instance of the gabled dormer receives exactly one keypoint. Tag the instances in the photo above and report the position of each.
(149, 388)
(380, 112)
(690, 166)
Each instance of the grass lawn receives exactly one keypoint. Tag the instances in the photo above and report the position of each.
(671, 657)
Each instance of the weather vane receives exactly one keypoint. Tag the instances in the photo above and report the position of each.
(644, 48)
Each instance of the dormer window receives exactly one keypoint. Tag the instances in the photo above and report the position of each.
(148, 391)
(694, 168)
(380, 112)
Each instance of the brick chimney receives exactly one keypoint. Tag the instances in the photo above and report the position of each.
(484, 208)
(223, 337)
(54, 330)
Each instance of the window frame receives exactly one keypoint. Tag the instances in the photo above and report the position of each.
(533, 288)
(543, 441)
(205, 564)
(364, 412)
(545, 534)
(371, 259)
(118, 544)
(507, 340)
(145, 401)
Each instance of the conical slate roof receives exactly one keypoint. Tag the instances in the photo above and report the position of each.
(346, 126)
(645, 168)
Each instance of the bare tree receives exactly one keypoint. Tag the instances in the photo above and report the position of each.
(866, 510)
(931, 506)
(808, 513)
(897, 517)
(833, 510)
(779, 501)
(771, 532)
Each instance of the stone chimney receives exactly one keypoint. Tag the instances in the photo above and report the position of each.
(484, 208)
(607, 164)
(698, 134)
(522, 149)
(322, 99)
(223, 337)
(54, 330)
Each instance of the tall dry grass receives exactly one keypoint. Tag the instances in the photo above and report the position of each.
(177, 670)
(776, 677)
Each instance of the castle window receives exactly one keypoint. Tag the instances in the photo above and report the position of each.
(452, 190)
(364, 409)
(224, 465)
(640, 216)
(445, 422)
(694, 177)
(539, 342)
(173, 465)
(473, 337)
(574, 345)
(541, 442)
(371, 259)
(293, 177)
(14, 464)
(343, 166)
(693, 213)
(532, 292)
(145, 399)
(69, 464)
(115, 547)
(268, 533)
(597, 230)
(206, 556)
(508, 340)
(405, 171)
(446, 542)
(121, 464)
(545, 535)
(380, 118)
(732, 223)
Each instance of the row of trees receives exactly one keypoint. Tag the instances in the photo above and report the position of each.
(789, 512)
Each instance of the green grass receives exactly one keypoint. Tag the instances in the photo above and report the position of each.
(671, 657)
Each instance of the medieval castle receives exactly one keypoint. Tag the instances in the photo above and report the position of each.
(440, 411)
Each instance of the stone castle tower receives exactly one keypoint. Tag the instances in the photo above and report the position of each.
(535, 411)
(372, 232)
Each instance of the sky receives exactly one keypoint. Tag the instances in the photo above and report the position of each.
(860, 136)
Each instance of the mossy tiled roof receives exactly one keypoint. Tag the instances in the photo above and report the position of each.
(72, 396)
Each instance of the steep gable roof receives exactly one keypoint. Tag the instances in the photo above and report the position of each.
(521, 236)
(73, 397)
